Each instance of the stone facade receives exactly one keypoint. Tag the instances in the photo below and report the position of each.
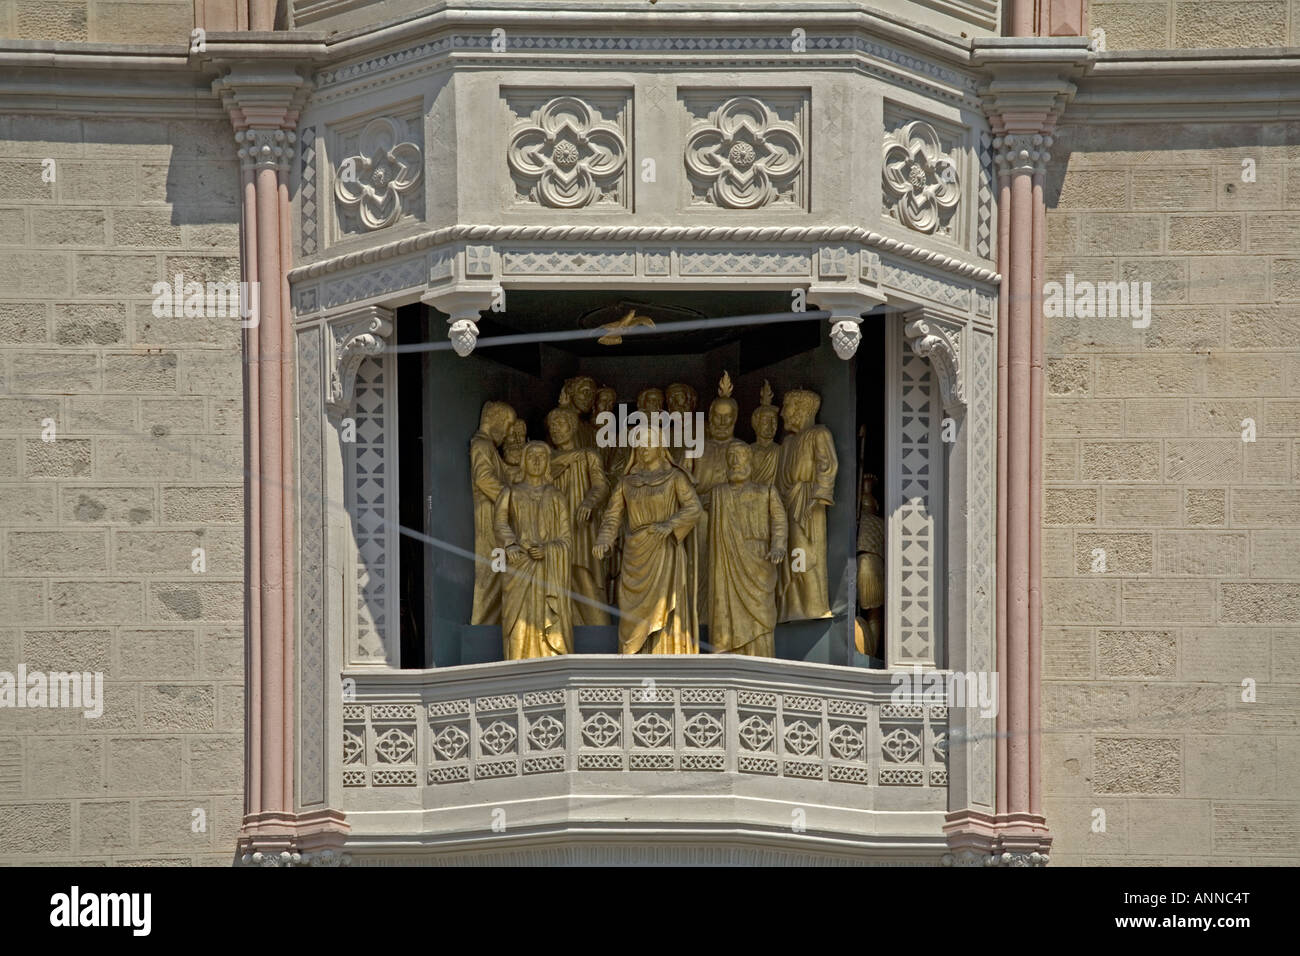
(144, 465)
(1152, 466)
(1165, 535)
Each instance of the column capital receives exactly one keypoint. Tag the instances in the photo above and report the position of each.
(263, 102)
(462, 306)
(353, 336)
(1028, 81)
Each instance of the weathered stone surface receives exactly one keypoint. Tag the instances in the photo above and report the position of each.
(36, 829)
(1067, 652)
(145, 764)
(1114, 553)
(1120, 460)
(1168, 602)
(1203, 553)
(1206, 505)
(1070, 506)
(1139, 505)
(1136, 653)
(1137, 765)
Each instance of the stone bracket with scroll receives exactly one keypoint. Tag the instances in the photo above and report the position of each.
(941, 346)
(352, 337)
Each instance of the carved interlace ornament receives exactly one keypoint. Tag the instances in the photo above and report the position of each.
(567, 157)
(374, 181)
(746, 155)
(920, 182)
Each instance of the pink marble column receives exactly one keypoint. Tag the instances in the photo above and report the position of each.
(1027, 88)
(262, 104)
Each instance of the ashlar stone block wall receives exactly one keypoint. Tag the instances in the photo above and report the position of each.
(1196, 24)
(103, 21)
(98, 527)
(1145, 464)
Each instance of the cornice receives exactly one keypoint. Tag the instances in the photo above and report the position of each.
(667, 234)
(1227, 86)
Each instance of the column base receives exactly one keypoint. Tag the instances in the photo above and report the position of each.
(1005, 839)
(294, 839)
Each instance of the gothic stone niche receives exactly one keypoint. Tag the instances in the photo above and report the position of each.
(569, 150)
(746, 151)
(377, 174)
(921, 174)
(760, 378)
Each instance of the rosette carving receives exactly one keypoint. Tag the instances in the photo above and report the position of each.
(920, 182)
(746, 156)
(374, 181)
(567, 157)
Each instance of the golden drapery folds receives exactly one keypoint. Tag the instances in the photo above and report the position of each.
(532, 522)
(656, 586)
(747, 541)
(579, 475)
(488, 478)
(805, 479)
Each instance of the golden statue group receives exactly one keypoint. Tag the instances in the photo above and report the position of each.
(733, 538)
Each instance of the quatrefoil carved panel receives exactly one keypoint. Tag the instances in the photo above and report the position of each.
(745, 156)
(567, 156)
(921, 187)
(372, 183)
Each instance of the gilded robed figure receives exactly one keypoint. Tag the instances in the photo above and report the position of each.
(488, 478)
(747, 541)
(766, 449)
(805, 479)
(579, 475)
(710, 469)
(532, 523)
(656, 585)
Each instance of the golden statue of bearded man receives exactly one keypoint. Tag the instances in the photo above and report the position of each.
(747, 538)
(488, 478)
(579, 475)
(656, 585)
(805, 479)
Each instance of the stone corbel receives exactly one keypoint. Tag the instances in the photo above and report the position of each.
(462, 306)
(938, 344)
(353, 336)
(846, 307)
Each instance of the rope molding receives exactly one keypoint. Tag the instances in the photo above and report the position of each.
(537, 233)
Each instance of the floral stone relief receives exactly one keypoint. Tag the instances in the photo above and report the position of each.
(921, 188)
(373, 183)
(567, 157)
(745, 157)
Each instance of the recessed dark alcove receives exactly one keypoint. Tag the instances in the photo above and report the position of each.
(524, 355)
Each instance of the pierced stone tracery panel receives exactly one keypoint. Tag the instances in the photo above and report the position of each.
(915, 496)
